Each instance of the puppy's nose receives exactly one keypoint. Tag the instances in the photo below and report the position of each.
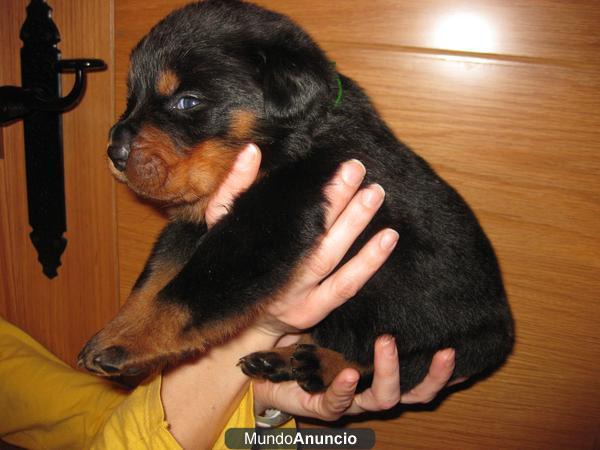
(118, 154)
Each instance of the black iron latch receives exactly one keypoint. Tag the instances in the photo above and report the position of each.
(40, 104)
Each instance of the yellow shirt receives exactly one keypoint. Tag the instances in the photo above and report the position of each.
(45, 404)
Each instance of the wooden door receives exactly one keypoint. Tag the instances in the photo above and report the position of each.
(63, 312)
(503, 98)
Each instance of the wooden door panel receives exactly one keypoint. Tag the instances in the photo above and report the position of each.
(528, 163)
(546, 29)
(515, 130)
(7, 286)
(62, 313)
(540, 29)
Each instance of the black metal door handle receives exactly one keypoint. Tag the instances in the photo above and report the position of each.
(16, 102)
(40, 104)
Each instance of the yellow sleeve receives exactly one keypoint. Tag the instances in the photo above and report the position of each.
(45, 403)
(139, 422)
(48, 405)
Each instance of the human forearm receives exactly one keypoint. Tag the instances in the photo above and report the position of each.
(200, 396)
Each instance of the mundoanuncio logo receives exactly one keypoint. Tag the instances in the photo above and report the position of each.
(282, 438)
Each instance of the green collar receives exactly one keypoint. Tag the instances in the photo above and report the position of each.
(340, 94)
(338, 100)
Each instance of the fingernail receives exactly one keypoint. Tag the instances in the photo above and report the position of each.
(449, 357)
(351, 380)
(386, 339)
(247, 156)
(353, 172)
(373, 196)
(389, 346)
(389, 240)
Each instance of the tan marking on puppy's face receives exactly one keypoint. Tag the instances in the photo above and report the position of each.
(242, 124)
(184, 179)
(159, 171)
(167, 83)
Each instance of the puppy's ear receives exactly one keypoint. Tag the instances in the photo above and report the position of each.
(296, 83)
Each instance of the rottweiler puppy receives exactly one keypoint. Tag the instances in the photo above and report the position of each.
(216, 75)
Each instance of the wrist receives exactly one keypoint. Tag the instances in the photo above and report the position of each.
(271, 326)
(267, 332)
(250, 340)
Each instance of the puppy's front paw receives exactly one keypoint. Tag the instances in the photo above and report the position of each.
(111, 361)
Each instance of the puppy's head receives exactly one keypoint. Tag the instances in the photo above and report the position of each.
(206, 80)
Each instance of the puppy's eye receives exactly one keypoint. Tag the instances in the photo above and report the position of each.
(187, 102)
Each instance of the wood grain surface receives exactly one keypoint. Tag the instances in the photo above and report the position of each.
(503, 99)
(64, 312)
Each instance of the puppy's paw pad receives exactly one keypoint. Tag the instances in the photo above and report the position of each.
(305, 362)
(267, 365)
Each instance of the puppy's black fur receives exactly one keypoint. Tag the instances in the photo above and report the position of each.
(440, 288)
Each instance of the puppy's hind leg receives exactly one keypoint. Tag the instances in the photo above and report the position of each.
(312, 366)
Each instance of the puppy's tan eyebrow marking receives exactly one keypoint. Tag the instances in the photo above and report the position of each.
(242, 123)
(167, 82)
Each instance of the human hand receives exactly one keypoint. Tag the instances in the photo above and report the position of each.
(307, 299)
(340, 399)
(314, 290)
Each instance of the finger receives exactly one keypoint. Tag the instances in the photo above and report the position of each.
(440, 372)
(287, 396)
(339, 395)
(458, 381)
(344, 231)
(242, 175)
(385, 389)
(350, 278)
(342, 187)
